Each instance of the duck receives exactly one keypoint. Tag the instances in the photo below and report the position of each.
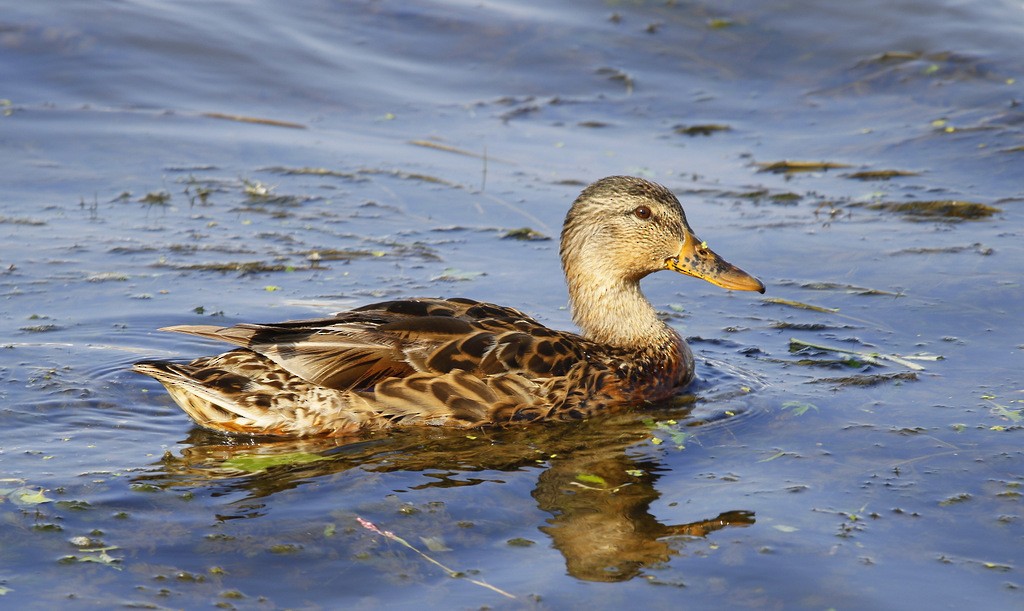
(458, 362)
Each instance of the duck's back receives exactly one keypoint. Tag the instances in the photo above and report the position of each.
(454, 362)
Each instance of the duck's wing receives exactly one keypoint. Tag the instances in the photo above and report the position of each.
(396, 339)
(243, 392)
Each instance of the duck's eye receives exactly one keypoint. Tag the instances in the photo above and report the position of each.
(642, 212)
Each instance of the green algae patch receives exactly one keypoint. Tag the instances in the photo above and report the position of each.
(12, 220)
(792, 167)
(310, 171)
(253, 120)
(799, 305)
(880, 174)
(703, 129)
(254, 463)
(948, 209)
(869, 380)
(156, 198)
(242, 267)
(526, 234)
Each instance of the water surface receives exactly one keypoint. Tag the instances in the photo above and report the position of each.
(174, 164)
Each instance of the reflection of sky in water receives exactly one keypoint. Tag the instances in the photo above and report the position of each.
(858, 491)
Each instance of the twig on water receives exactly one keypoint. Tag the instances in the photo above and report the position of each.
(872, 357)
(368, 525)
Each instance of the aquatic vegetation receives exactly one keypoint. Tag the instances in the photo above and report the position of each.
(702, 129)
(938, 209)
(526, 234)
(21, 494)
(667, 430)
(790, 167)
(254, 120)
(12, 220)
(868, 379)
(799, 305)
(156, 198)
(880, 174)
(799, 408)
(438, 146)
(390, 142)
(795, 345)
(242, 267)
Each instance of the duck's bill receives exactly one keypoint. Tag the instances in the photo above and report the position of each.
(697, 260)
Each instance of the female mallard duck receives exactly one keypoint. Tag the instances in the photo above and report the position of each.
(463, 363)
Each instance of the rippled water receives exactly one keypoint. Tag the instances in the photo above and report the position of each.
(180, 163)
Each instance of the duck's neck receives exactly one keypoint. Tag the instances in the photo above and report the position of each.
(613, 311)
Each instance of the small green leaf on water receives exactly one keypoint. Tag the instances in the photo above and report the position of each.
(4, 590)
(799, 407)
(634, 472)
(520, 542)
(26, 496)
(1013, 415)
(329, 530)
(270, 288)
(997, 567)
(592, 479)
(656, 441)
(773, 456)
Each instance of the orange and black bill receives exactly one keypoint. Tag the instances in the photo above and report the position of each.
(697, 260)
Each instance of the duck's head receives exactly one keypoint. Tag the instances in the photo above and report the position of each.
(622, 228)
(631, 227)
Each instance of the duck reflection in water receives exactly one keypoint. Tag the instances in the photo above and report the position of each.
(602, 526)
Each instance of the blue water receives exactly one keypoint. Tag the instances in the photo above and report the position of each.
(179, 163)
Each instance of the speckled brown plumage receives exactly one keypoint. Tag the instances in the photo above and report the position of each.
(463, 363)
